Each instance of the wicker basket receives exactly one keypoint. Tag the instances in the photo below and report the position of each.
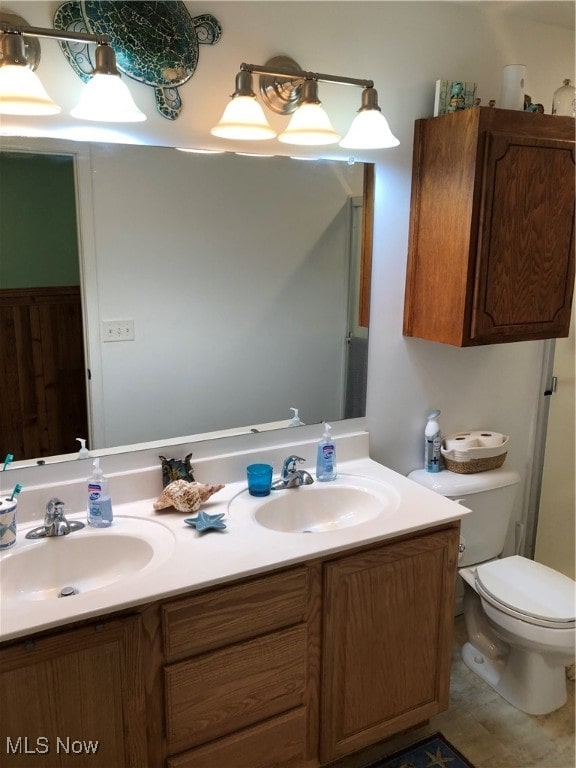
(476, 457)
(474, 465)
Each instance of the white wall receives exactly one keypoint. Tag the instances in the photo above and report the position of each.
(404, 47)
(219, 261)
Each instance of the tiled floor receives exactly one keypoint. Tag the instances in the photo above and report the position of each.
(489, 731)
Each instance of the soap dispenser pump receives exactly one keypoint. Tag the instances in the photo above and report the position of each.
(295, 422)
(83, 453)
(99, 502)
(326, 456)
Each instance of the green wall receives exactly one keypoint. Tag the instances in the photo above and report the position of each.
(38, 228)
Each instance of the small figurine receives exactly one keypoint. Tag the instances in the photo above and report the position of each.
(530, 107)
(457, 99)
(175, 469)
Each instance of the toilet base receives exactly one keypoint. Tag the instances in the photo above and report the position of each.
(543, 688)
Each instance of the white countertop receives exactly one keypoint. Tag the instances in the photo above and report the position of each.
(245, 548)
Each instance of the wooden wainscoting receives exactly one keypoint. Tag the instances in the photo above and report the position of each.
(42, 369)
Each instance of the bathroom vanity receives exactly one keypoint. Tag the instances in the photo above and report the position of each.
(248, 648)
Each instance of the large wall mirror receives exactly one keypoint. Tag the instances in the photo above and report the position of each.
(216, 292)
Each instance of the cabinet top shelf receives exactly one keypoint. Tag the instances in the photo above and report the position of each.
(521, 123)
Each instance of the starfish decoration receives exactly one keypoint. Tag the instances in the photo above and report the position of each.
(438, 759)
(205, 522)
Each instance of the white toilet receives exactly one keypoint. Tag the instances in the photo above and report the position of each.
(519, 614)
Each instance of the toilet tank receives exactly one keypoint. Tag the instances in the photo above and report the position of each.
(490, 495)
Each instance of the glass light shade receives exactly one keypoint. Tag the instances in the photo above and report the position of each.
(369, 130)
(310, 125)
(243, 119)
(22, 93)
(106, 98)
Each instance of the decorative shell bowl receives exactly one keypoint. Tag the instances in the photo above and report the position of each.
(184, 496)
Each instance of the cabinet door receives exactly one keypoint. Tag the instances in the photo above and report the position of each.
(74, 699)
(525, 266)
(388, 619)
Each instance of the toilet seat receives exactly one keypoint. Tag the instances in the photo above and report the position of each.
(529, 591)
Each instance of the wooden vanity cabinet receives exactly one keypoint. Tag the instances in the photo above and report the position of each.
(388, 618)
(302, 667)
(291, 669)
(491, 245)
(236, 678)
(74, 698)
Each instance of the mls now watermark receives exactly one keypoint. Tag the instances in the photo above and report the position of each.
(42, 745)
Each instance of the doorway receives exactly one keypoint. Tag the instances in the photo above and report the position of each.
(42, 360)
(555, 531)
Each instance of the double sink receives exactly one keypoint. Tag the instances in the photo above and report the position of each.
(92, 559)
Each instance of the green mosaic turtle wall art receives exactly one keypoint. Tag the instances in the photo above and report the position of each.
(156, 43)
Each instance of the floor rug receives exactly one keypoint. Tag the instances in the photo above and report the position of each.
(432, 752)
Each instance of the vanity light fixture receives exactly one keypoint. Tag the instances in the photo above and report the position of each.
(105, 97)
(287, 89)
(243, 117)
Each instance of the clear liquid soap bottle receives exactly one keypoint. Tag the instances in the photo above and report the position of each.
(326, 456)
(99, 502)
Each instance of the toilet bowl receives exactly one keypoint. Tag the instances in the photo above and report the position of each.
(520, 615)
(521, 631)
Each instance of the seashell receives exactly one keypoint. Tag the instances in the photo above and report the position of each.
(184, 496)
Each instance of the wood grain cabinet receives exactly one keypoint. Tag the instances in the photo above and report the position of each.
(388, 617)
(235, 680)
(74, 698)
(292, 669)
(491, 245)
(308, 665)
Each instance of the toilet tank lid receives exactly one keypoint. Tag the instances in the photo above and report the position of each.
(454, 484)
(529, 587)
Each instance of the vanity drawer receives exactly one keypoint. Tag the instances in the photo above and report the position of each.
(217, 693)
(228, 615)
(279, 742)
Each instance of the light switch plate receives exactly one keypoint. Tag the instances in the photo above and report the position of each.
(117, 330)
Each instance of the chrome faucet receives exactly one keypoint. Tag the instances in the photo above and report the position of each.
(55, 522)
(292, 477)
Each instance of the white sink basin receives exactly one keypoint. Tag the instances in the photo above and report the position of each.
(85, 560)
(321, 507)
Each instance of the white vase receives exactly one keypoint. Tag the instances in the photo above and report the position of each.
(512, 93)
(564, 100)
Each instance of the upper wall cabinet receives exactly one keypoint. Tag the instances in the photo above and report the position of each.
(491, 249)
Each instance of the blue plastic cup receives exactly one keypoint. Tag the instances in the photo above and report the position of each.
(259, 479)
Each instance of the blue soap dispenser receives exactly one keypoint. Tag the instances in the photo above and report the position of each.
(326, 456)
(99, 502)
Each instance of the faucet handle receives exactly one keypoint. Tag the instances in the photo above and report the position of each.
(290, 463)
(54, 510)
